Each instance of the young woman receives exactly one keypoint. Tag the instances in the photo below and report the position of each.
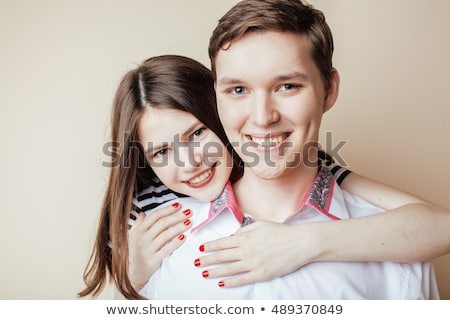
(172, 90)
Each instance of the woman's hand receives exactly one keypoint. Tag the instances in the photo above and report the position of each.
(154, 237)
(258, 252)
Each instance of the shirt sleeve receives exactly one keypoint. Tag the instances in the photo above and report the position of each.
(339, 173)
(152, 197)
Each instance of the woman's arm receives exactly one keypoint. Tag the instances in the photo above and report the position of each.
(411, 230)
(379, 194)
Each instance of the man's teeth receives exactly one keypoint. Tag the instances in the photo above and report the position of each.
(268, 141)
(201, 177)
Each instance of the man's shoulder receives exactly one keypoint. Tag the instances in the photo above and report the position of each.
(355, 205)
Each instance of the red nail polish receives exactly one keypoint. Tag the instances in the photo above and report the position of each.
(187, 212)
(175, 205)
(197, 262)
(221, 284)
(187, 222)
(181, 237)
(205, 274)
(201, 248)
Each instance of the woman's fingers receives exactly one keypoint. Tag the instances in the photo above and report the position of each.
(240, 280)
(168, 212)
(243, 234)
(138, 220)
(173, 244)
(250, 255)
(174, 234)
(236, 272)
(219, 244)
(222, 256)
(156, 225)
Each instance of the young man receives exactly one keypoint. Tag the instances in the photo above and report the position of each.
(274, 80)
(272, 63)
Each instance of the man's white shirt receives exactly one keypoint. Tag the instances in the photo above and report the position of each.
(178, 278)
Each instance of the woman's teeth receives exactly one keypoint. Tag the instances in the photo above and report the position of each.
(201, 177)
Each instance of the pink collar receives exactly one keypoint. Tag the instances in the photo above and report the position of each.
(319, 197)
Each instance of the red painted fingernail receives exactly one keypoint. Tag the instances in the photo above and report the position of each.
(201, 248)
(187, 212)
(205, 274)
(175, 205)
(187, 222)
(197, 262)
(221, 284)
(181, 237)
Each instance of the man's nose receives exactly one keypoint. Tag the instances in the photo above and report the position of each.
(264, 110)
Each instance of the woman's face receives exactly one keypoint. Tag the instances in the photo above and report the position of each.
(186, 156)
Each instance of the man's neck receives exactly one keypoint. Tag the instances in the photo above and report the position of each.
(273, 199)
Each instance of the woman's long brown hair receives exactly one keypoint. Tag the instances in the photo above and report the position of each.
(164, 81)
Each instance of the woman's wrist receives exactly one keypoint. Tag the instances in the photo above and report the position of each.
(309, 243)
(137, 279)
(137, 286)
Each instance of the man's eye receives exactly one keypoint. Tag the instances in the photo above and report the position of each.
(289, 86)
(238, 90)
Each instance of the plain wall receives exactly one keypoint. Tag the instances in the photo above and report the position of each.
(61, 61)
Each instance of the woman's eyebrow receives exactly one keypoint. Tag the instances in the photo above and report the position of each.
(153, 149)
(181, 137)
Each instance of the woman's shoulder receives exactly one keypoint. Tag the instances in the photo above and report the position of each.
(153, 196)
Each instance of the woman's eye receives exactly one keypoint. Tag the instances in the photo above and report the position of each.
(198, 132)
(160, 153)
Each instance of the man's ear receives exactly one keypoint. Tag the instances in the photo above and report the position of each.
(332, 90)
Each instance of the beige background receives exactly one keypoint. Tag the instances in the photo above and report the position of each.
(60, 62)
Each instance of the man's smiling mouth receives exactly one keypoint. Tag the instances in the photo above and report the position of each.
(268, 140)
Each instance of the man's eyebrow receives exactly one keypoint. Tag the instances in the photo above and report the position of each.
(228, 81)
(290, 76)
(282, 77)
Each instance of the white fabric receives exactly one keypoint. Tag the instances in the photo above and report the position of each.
(178, 278)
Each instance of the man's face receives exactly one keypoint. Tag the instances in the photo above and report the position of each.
(271, 98)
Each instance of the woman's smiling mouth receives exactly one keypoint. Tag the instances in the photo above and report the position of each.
(202, 179)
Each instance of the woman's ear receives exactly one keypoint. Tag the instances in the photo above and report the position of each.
(332, 90)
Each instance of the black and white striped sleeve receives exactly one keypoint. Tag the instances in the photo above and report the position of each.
(339, 173)
(152, 197)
